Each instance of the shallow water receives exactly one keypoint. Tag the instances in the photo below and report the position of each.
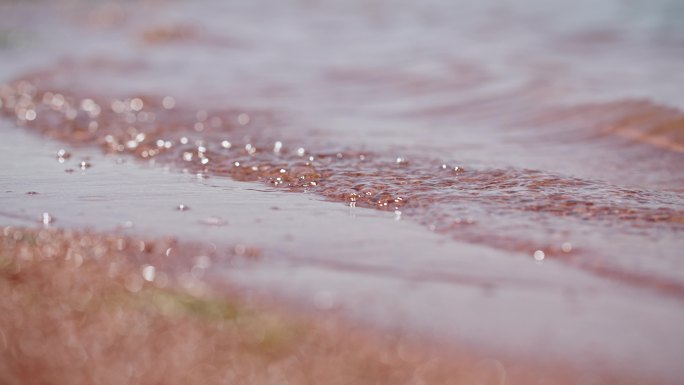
(526, 162)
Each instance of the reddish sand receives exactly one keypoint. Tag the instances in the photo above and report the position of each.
(85, 308)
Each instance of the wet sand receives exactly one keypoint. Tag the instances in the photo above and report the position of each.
(83, 308)
(524, 202)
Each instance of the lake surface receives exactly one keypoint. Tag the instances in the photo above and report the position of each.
(502, 175)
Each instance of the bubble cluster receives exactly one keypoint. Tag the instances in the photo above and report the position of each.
(439, 193)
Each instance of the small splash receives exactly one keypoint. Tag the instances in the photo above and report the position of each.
(182, 207)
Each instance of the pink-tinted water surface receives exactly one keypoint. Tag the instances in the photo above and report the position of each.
(525, 162)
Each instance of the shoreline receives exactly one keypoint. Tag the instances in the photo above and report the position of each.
(485, 283)
(81, 307)
(341, 192)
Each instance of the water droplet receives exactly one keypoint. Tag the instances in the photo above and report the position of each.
(30, 115)
(277, 146)
(148, 272)
(136, 104)
(84, 165)
(168, 102)
(63, 154)
(243, 119)
(182, 207)
(46, 218)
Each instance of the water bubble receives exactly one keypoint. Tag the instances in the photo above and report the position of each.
(243, 119)
(87, 105)
(301, 151)
(46, 218)
(148, 272)
(226, 144)
(277, 146)
(566, 247)
(64, 154)
(182, 207)
(136, 104)
(184, 140)
(455, 169)
(58, 101)
(539, 255)
(250, 149)
(30, 115)
(84, 165)
(168, 102)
